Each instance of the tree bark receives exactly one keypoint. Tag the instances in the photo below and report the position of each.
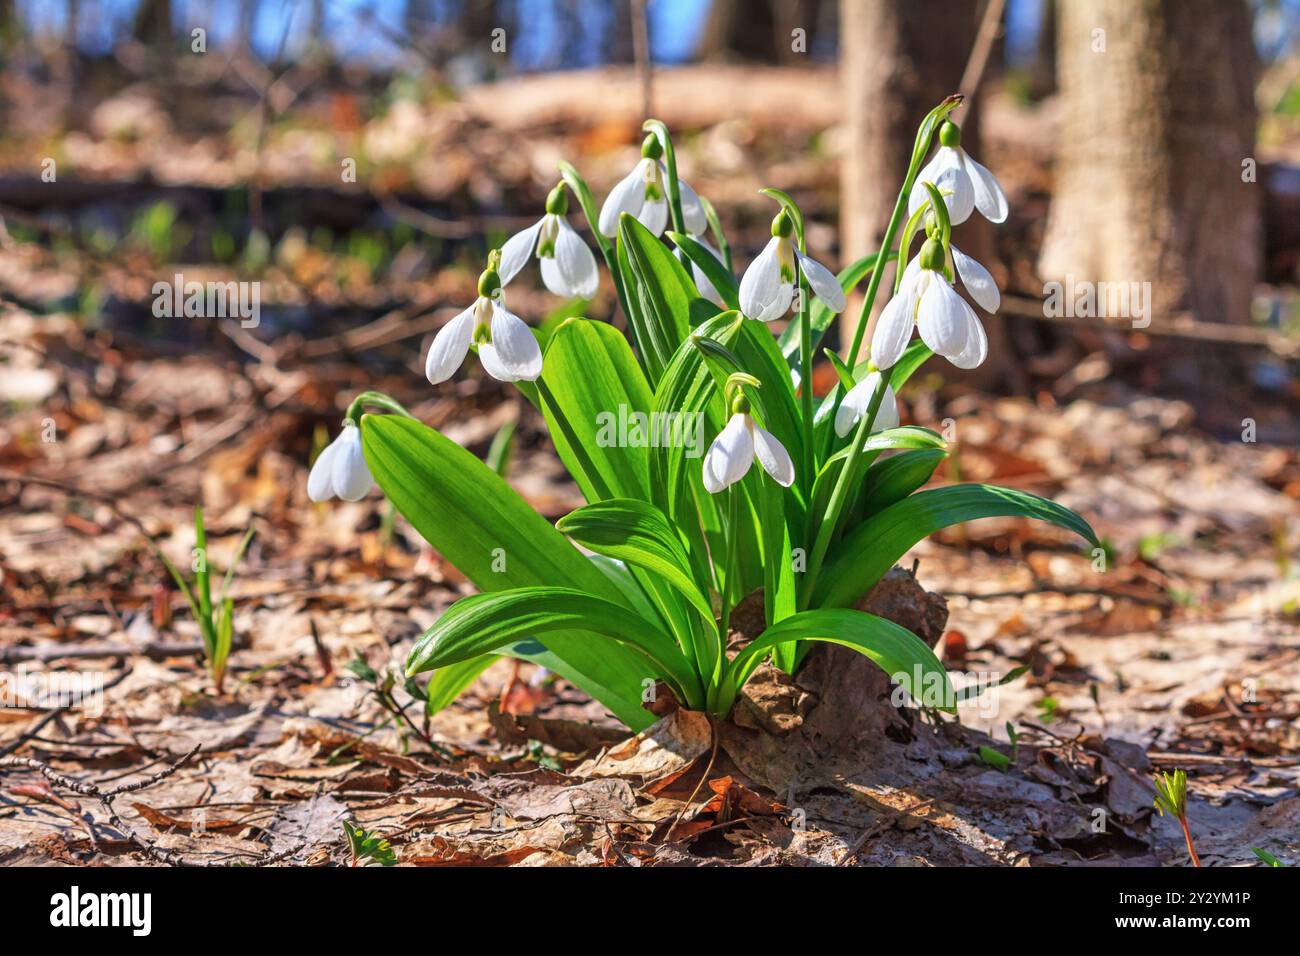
(1158, 117)
(898, 59)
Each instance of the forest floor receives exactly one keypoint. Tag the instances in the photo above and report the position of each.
(1177, 648)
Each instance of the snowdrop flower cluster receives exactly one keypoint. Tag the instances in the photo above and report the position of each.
(504, 342)
(567, 263)
(767, 288)
(340, 470)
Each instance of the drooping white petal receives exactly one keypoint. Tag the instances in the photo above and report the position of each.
(977, 345)
(771, 454)
(761, 285)
(449, 347)
(515, 253)
(958, 193)
(941, 318)
(943, 160)
(572, 271)
(320, 482)
(702, 281)
(352, 480)
(858, 400)
(823, 282)
(988, 196)
(693, 217)
(513, 355)
(977, 280)
(729, 457)
(894, 327)
(654, 216)
(627, 196)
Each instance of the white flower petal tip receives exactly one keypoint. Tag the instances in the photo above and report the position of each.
(858, 401)
(987, 193)
(894, 327)
(515, 253)
(771, 454)
(823, 282)
(340, 470)
(513, 355)
(571, 272)
(627, 196)
(450, 346)
(965, 184)
(761, 288)
(977, 280)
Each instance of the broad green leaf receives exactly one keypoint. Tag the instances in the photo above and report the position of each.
(597, 406)
(717, 273)
(899, 653)
(867, 552)
(474, 519)
(658, 290)
(893, 479)
(484, 623)
(447, 683)
(637, 533)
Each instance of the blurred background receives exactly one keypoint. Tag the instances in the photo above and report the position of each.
(350, 153)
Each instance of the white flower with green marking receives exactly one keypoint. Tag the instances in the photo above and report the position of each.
(504, 342)
(741, 441)
(966, 184)
(643, 194)
(858, 401)
(567, 263)
(767, 287)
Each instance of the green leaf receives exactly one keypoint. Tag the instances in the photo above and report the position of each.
(479, 523)
(501, 449)
(447, 683)
(638, 534)
(721, 277)
(591, 392)
(899, 653)
(659, 291)
(485, 623)
(893, 479)
(867, 552)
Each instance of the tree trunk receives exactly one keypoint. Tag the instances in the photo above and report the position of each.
(1158, 117)
(760, 30)
(898, 59)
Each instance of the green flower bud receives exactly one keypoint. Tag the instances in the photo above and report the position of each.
(932, 256)
(489, 282)
(950, 134)
(557, 203)
(782, 226)
(651, 149)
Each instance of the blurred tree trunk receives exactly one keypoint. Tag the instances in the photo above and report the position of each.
(1158, 118)
(898, 59)
(153, 23)
(760, 30)
(1042, 76)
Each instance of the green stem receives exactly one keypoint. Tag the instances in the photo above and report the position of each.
(376, 400)
(578, 185)
(806, 383)
(843, 488)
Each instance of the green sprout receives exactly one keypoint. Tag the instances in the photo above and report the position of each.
(366, 847)
(216, 621)
(1171, 798)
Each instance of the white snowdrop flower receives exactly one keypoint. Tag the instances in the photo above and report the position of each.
(341, 468)
(568, 264)
(967, 186)
(504, 343)
(643, 194)
(702, 281)
(737, 445)
(948, 325)
(767, 287)
(855, 404)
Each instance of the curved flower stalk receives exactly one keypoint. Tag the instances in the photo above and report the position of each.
(927, 300)
(504, 343)
(340, 470)
(742, 440)
(857, 402)
(970, 185)
(767, 288)
(643, 194)
(567, 263)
